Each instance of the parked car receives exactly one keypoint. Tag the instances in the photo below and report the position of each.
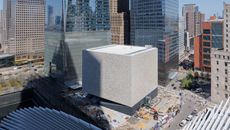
(189, 118)
(182, 123)
(199, 90)
(194, 112)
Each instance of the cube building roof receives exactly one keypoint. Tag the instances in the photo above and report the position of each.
(120, 49)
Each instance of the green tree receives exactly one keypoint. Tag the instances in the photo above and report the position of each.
(186, 83)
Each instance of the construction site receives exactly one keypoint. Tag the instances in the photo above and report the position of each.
(155, 114)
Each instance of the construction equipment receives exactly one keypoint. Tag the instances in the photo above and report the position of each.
(155, 114)
(144, 114)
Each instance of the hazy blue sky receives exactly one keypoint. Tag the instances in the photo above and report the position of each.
(209, 7)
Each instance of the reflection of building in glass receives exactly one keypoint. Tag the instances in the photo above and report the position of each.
(50, 16)
(155, 22)
(83, 24)
(58, 20)
(25, 29)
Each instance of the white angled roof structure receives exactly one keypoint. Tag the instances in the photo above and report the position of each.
(43, 119)
(217, 118)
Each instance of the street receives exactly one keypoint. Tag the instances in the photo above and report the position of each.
(189, 102)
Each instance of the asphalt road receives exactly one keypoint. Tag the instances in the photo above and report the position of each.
(190, 103)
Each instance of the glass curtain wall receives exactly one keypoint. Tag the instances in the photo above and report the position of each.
(72, 26)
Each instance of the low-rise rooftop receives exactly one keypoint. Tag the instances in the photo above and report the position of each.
(5, 55)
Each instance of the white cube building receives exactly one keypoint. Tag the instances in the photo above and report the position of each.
(121, 75)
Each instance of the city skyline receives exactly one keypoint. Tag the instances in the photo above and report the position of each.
(208, 10)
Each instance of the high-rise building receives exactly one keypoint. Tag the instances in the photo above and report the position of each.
(193, 19)
(199, 18)
(220, 64)
(189, 15)
(212, 37)
(3, 31)
(84, 24)
(155, 22)
(120, 20)
(25, 29)
(181, 39)
(7, 9)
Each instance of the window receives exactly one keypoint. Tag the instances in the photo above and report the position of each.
(226, 96)
(206, 44)
(206, 31)
(206, 38)
(217, 70)
(226, 64)
(206, 56)
(226, 71)
(217, 85)
(217, 77)
(217, 62)
(226, 87)
(206, 50)
(226, 79)
(224, 57)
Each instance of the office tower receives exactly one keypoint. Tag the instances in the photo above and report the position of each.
(155, 22)
(181, 39)
(220, 64)
(3, 31)
(189, 15)
(84, 24)
(193, 19)
(119, 17)
(25, 29)
(123, 76)
(212, 37)
(7, 9)
(199, 18)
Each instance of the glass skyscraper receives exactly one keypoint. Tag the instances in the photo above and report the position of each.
(155, 22)
(71, 26)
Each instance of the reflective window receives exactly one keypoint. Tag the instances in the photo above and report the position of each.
(71, 27)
